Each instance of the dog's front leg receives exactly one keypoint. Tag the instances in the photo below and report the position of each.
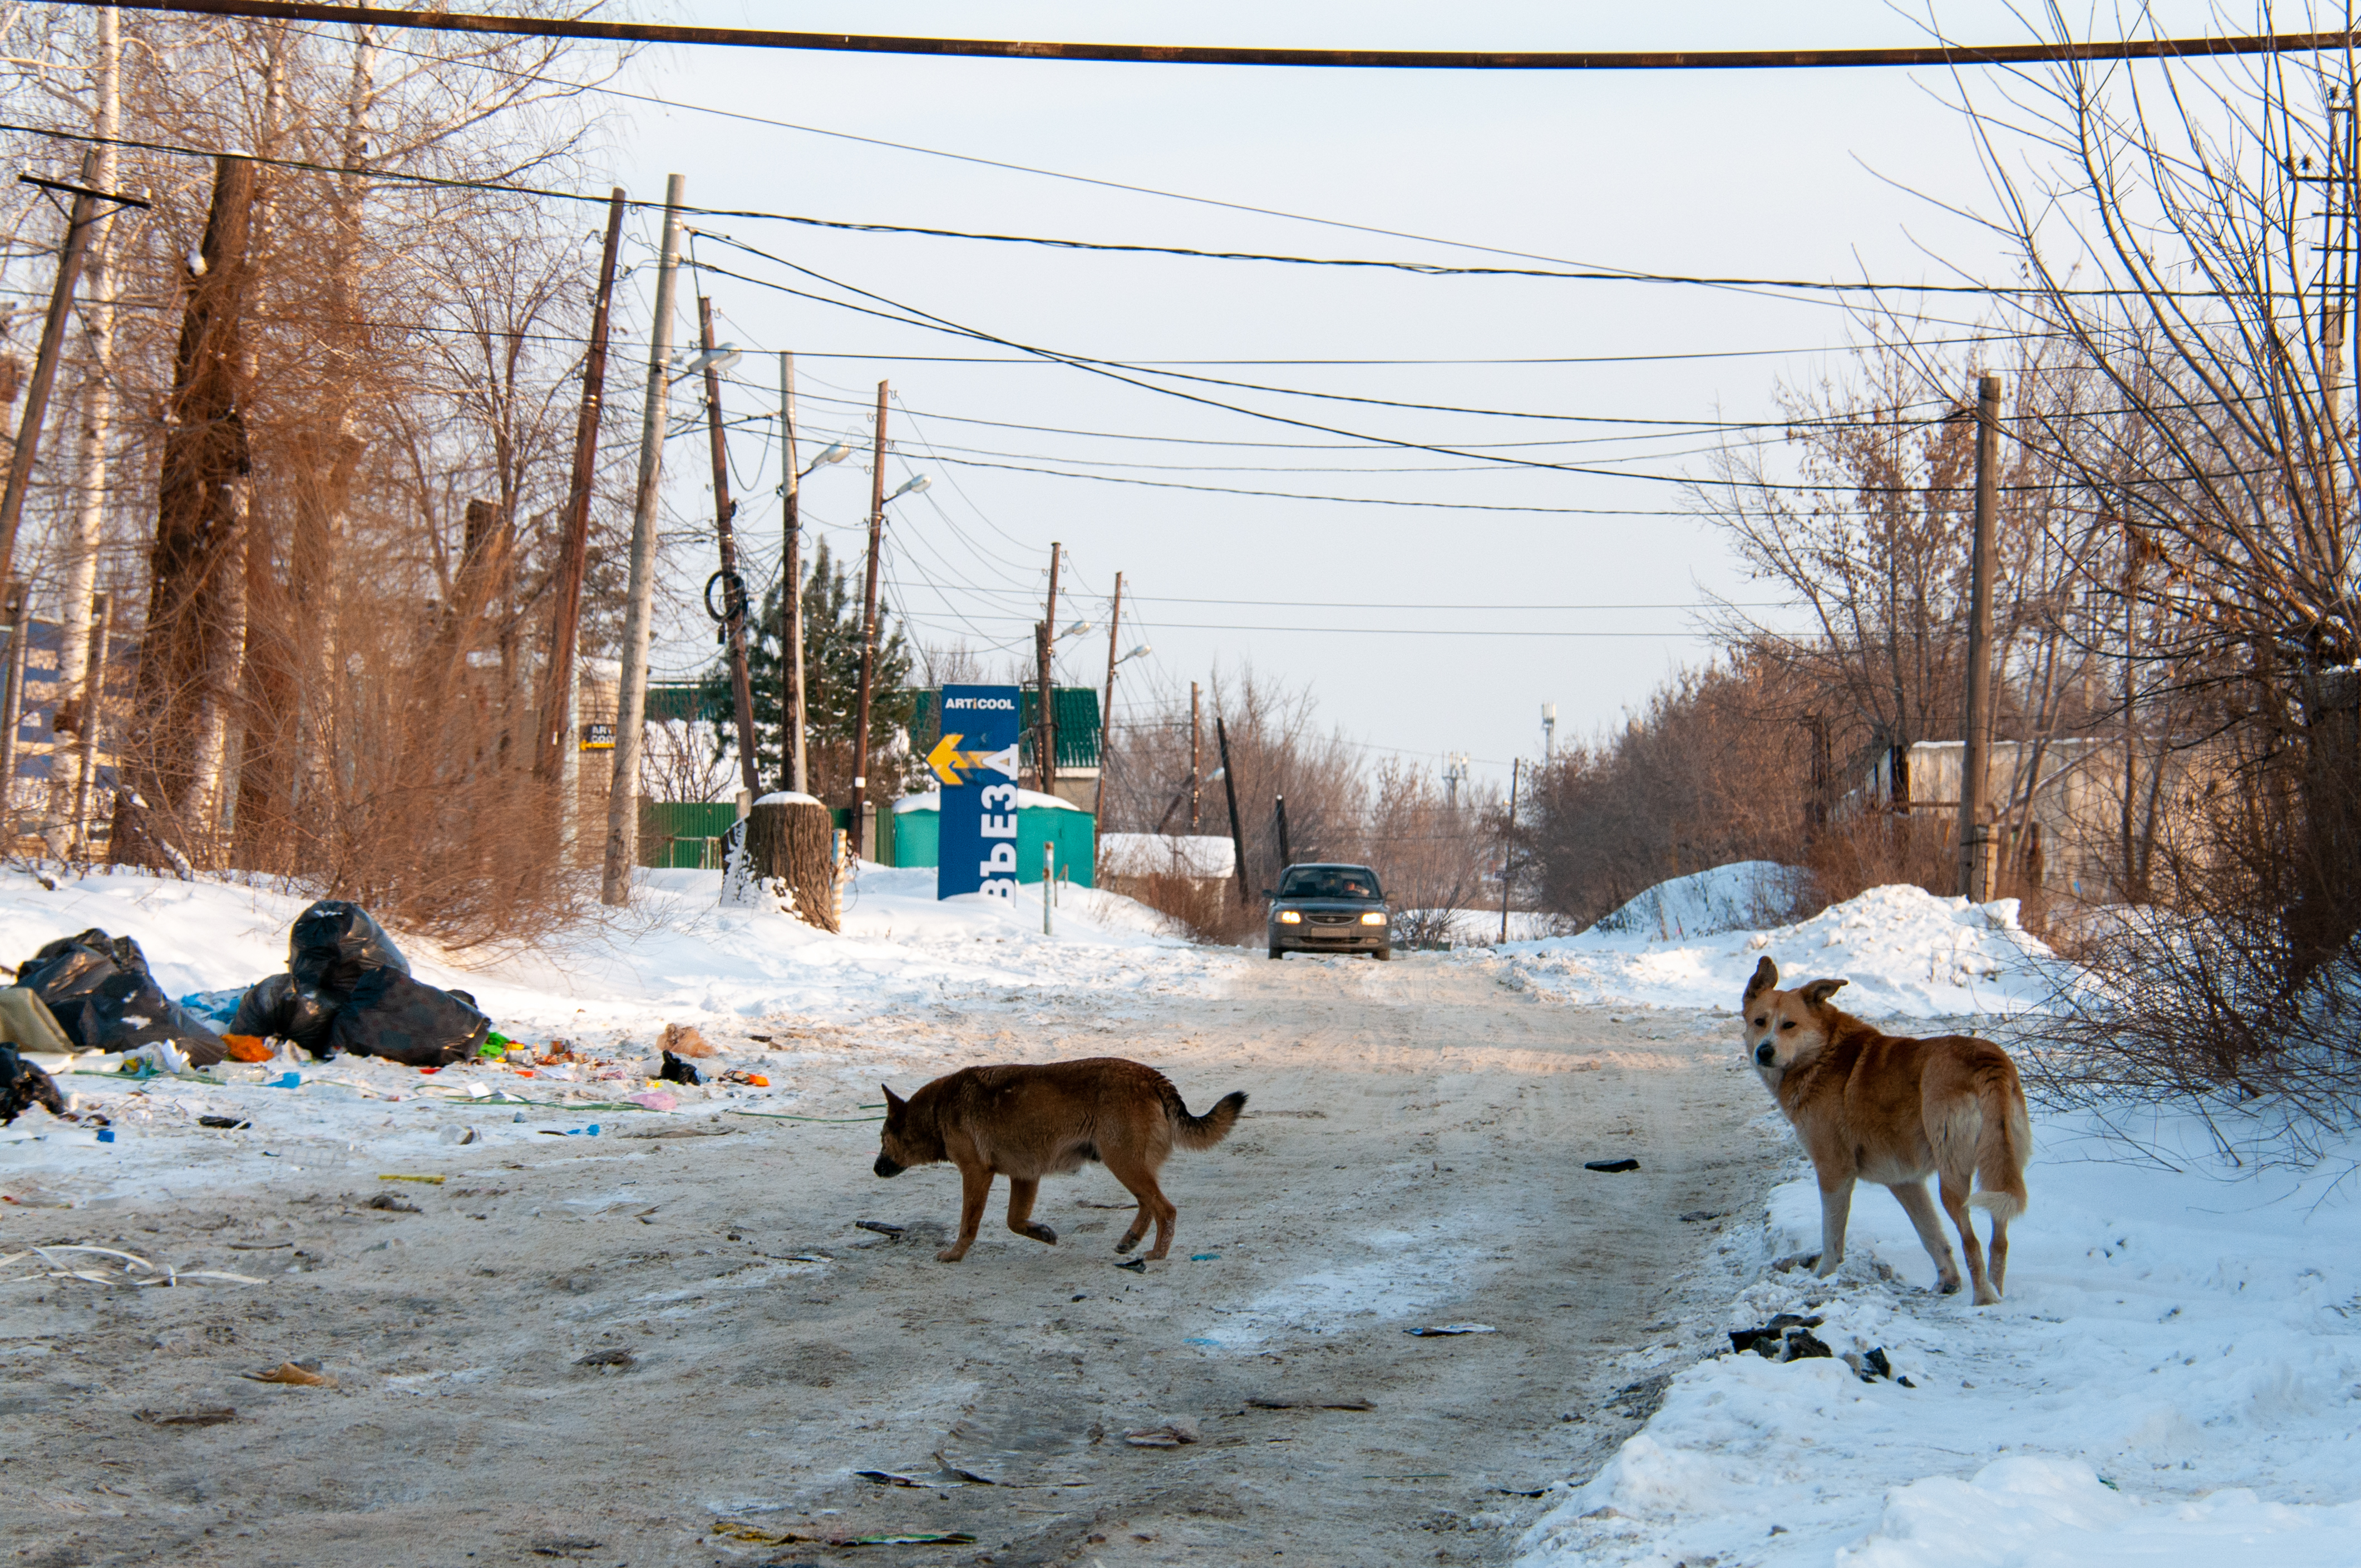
(1021, 1192)
(1836, 1208)
(975, 1186)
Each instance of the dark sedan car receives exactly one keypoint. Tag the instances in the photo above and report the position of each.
(1329, 909)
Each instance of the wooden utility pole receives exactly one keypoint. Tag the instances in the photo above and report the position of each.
(1509, 847)
(559, 680)
(631, 691)
(733, 586)
(1196, 755)
(791, 591)
(1045, 739)
(1106, 714)
(869, 621)
(81, 219)
(1230, 791)
(1975, 762)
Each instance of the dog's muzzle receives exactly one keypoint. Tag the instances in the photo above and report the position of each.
(887, 1168)
(1765, 1055)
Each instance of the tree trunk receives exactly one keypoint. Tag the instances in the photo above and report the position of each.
(791, 847)
(197, 584)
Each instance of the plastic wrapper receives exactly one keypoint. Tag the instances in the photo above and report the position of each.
(391, 1015)
(99, 989)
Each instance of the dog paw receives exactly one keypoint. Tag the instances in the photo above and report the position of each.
(1127, 1243)
(951, 1255)
(1948, 1287)
(1042, 1233)
(1794, 1261)
(1988, 1297)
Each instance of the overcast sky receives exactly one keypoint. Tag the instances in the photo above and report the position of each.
(1461, 622)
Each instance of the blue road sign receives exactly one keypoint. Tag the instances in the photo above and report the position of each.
(975, 763)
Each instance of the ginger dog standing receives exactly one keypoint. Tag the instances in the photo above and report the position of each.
(1877, 1107)
(1025, 1123)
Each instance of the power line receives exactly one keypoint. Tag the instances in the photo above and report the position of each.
(1950, 55)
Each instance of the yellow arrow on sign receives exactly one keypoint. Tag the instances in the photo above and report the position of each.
(947, 759)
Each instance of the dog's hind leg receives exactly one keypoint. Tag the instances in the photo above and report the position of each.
(1021, 1193)
(1999, 1253)
(1139, 1179)
(1955, 1203)
(1911, 1196)
(975, 1187)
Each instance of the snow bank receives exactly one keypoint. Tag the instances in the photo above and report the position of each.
(2171, 1382)
(1905, 951)
(1740, 896)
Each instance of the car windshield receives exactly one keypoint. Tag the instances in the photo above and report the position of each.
(1329, 882)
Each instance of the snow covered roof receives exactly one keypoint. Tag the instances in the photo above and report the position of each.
(1026, 800)
(1144, 854)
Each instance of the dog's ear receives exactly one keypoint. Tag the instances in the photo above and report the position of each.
(1817, 994)
(893, 1102)
(1767, 975)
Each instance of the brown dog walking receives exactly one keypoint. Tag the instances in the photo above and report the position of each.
(1877, 1107)
(1025, 1123)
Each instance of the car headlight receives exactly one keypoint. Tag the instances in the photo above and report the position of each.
(1289, 918)
(1373, 917)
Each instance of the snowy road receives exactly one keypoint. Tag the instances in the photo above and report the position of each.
(1411, 1156)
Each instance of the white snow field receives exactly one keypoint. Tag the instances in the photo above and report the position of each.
(1904, 951)
(2174, 1381)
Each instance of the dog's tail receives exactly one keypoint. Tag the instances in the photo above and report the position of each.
(2004, 1144)
(1203, 1132)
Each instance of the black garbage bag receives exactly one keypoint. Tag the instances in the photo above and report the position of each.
(391, 1015)
(103, 998)
(334, 943)
(24, 1086)
(275, 1009)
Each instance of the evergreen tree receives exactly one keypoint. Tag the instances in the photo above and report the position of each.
(832, 607)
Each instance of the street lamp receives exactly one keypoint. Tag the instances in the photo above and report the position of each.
(720, 358)
(837, 453)
(1138, 653)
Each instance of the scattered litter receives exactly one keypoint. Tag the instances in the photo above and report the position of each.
(228, 1123)
(459, 1134)
(212, 1418)
(888, 1478)
(1136, 1265)
(247, 1047)
(1610, 1166)
(1266, 1403)
(740, 1075)
(133, 1267)
(1440, 1330)
(963, 1473)
(393, 1205)
(564, 1546)
(261, 1246)
(654, 1100)
(1872, 1367)
(1204, 1257)
(428, 1180)
(615, 1357)
(294, 1373)
(1785, 1337)
(683, 1039)
(1697, 1216)
(754, 1535)
(676, 1071)
(880, 1226)
(589, 1132)
(1173, 1433)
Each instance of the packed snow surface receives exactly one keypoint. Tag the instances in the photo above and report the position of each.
(1902, 952)
(2174, 1381)
(1740, 896)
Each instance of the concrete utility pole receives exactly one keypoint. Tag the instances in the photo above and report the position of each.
(1044, 743)
(733, 586)
(869, 623)
(561, 680)
(1230, 793)
(1509, 843)
(631, 693)
(1975, 764)
(791, 579)
(94, 704)
(1107, 715)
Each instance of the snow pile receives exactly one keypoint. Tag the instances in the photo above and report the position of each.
(1904, 951)
(1741, 896)
(1151, 854)
(2173, 1381)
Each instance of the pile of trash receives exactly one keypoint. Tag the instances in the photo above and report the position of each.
(347, 990)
